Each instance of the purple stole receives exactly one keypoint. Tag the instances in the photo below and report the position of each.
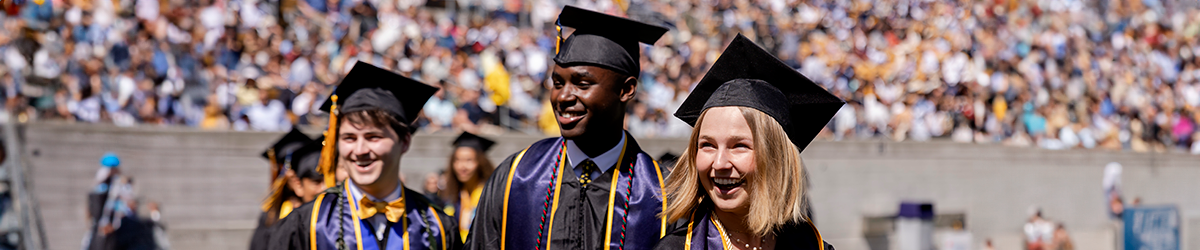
(631, 225)
(703, 233)
(415, 231)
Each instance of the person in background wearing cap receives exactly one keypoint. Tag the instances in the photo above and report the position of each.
(469, 167)
(279, 197)
(371, 121)
(592, 188)
(752, 115)
(103, 193)
(304, 183)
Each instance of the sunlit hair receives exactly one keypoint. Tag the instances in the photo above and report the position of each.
(375, 118)
(776, 187)
(483, 169)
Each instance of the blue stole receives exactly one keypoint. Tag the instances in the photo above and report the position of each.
(415, 231)
(630, 225)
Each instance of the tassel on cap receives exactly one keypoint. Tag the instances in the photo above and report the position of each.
(328, 154)
(558, 40)
(275, 183)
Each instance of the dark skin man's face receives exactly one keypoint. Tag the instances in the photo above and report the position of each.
(589, 101)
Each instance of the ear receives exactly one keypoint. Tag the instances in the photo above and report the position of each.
(629, 89)
(407, 142)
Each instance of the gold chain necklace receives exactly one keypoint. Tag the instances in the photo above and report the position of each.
(729, 235)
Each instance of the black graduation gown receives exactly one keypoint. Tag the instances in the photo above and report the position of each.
(295, 230)
(797, 236)
(579, 220)
(262, 233)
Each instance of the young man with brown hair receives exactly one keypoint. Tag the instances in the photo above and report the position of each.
(372, 114)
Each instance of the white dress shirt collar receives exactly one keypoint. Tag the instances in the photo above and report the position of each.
(605, 160)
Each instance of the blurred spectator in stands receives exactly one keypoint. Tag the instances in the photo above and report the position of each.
(1062, 240)
(161, 240)
(269, 113)
(1039, 232)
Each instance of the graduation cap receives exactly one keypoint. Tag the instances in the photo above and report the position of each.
(473, 141)
(603, 40)
(746, 75)
(285, 145)
(304, 160)
(368, 87)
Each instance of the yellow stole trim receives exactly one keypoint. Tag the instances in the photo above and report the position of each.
(354, 215)
(687, 244)
(612, 194)
(469, 203)
(404, 226)
(285, 209)
(663, 191)
(720, 230)
(312, 225)
(441, 228)
(820, 241)
(507, 189)
(554, 204)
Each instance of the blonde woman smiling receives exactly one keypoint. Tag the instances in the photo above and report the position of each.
(740, 183)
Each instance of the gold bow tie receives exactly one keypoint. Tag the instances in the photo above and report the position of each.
(393, 210)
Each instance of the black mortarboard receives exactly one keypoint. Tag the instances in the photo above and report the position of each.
(304, 160)
(473, 141)
(746, 75)
(369, 87)
(285, 145)
(604, 40)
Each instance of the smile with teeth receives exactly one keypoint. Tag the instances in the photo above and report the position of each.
(363, 163)
(727, 182)
(566, 114)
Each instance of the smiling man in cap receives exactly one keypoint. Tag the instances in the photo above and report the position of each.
(592, 188)
(371, 125)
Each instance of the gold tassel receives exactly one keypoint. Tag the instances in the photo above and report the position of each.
(276, 195)
(558, 40)
(271, 158)
(275, 182)
(328, 156)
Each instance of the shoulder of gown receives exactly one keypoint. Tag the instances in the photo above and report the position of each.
(262, 233)
(291, 232)
(801, 235)
(449, 225)
(485, 230)
(676, 236)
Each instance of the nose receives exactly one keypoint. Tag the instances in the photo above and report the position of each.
(566, 96)
(722, 162)
(359, 150)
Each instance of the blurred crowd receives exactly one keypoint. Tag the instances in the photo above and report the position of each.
(1055, 74)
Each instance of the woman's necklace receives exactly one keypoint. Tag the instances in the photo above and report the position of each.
(761, 242)
(729, 235)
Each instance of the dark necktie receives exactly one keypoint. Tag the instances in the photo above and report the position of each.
(588, 166)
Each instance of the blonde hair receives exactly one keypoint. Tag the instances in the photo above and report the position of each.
(776, 187)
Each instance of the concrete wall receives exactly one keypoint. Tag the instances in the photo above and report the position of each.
(211, 183)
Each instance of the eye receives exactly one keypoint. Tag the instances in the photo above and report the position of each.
(706, 145)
